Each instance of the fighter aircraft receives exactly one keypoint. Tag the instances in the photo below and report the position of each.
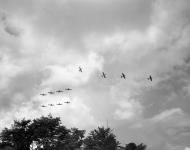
(67, 102)
(50, 104)
(80, 69)
(150, 78)
(51, 92)
(43, 94)
(59, 104)
(43, 106)
(68, 89)
(103, 75)
(59, 91)
(123, 76)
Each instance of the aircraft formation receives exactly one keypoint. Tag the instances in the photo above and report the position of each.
(104, 75)
(80, 69)
(53, 93)
(67, 102)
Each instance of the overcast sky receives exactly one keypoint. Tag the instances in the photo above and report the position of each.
(43, 42)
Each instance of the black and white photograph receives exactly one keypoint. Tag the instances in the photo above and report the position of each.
(94, 74)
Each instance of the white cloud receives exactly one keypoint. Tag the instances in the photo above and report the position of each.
(75, 114)
(8, 70)
(70, 75)
(168, 114)
(128, 109)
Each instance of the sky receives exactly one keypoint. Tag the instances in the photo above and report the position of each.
(43, 42)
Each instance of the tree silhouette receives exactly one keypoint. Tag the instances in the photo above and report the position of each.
(141, 146)
(46, 132)
(74, 140)
(133, 146)
(49, 134)
(101, 139)
(19, 136)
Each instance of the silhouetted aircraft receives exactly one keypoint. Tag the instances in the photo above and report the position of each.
(43, 106)
(43, 94)
(51, 92)
(150, 78)
(103, 75)
(50, 104)
(67, 102)
(59, 91)
(80, 69)
(68, 89)
(123, 76)
(59, 104)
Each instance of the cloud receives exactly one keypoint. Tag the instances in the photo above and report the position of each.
(167, 114)
(11, 26)
(170, 129)
(127, 110)
(71, 21)
(52, 38)
(12, 31)
(9, 70)
(75, 114)
(69, 75)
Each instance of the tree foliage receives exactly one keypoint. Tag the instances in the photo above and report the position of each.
(19, 136)
(74, 140)
(47, 133)
(133, 146)
(101, 139)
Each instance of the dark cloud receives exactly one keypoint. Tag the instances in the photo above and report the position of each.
(12, 31)
(70, 21)
(167, 93)
(21, 89)
(78, 19)
(8, 27)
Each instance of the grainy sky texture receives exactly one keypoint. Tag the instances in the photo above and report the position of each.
(43, 42)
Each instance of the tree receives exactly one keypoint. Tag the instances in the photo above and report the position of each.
(49, 134)
(133, 146)
(46, 132)
(19, 136)
(101, 139)
(141, 146)
(74, 140)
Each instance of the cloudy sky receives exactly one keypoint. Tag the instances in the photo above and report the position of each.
(43, 42)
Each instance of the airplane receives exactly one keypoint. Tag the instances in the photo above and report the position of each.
(43, 106)
(59, 91)
(50, 104)
(103, 75)
(51, 92)
(59, 104)
(80, 69)
(68, 89)
(67, 102)
(123, 76)
(150, 78)
(43, 94)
